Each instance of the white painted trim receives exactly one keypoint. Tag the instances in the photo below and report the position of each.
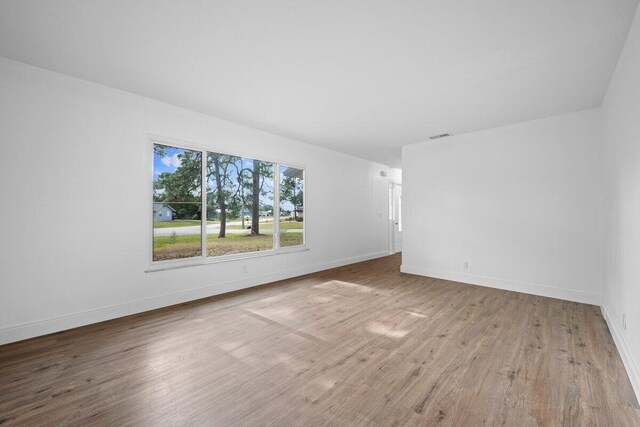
(207, 146)
(61, 323)
(196, 261)
(509, 285)
(633, 372)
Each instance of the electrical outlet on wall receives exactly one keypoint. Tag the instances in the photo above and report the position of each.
(465, 265)
(624, 321)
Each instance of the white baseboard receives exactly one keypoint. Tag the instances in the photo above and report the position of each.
(627, 358)
(509, 285)
(61, 323)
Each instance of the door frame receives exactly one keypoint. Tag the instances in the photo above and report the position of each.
(393, 187)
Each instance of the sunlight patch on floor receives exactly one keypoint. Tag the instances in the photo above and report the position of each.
(230, 345)
(322, 299)
(414, 314)
(387, 331)
(338, 284)
(279, 312)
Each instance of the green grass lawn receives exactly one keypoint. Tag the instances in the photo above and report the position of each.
(266, 225)
(174, 247)
(238, 243)
(237, 227)
(284, 225)
(179, 223)
(291, 239)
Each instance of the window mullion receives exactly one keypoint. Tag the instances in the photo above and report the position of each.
(203, 209)
(276, 207)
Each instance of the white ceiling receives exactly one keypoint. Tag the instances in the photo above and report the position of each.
(360, 76)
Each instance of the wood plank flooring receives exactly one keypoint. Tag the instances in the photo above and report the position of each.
(357, 345)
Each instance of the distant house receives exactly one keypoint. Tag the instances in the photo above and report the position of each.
(295, 214)
(248, 213)
(162, 212)
(293, 173)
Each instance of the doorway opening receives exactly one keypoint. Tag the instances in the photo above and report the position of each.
(395, 218)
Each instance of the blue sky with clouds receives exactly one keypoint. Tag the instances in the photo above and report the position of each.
(167, 163)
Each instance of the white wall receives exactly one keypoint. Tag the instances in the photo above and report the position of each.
(522, 204)
(621, 114)
(395, 175)
(75, 219)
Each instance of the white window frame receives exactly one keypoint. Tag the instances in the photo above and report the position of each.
(203, 259)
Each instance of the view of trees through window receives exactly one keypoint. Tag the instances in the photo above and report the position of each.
(239, 205)
(177, 203)
(291, 206)
(240, 200)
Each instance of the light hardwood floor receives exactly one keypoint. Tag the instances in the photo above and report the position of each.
(358, 345)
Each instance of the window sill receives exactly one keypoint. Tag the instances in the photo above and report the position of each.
(193, 262)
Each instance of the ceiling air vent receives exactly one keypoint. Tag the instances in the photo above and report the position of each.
(442, 135)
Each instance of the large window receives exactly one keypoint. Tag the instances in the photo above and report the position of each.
(240, 196)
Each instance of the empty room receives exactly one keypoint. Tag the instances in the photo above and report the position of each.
(320, 213)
